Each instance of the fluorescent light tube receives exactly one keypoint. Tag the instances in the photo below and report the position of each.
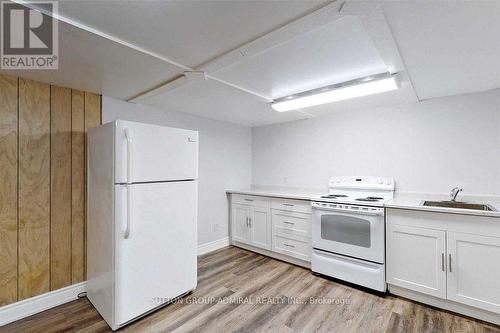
(356, 88)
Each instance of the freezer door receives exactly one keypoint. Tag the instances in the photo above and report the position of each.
(148, 153)
(158, 260)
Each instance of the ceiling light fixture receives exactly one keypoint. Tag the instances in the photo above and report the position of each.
(369, 85)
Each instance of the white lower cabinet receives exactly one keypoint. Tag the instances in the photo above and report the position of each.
(282, 226)
(453, 264)
(474, 270)
(416, 259)
(252, 225)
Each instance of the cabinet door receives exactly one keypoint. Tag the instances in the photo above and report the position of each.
(260, 222)
(240, 223)
(416, 259)
(474, 270)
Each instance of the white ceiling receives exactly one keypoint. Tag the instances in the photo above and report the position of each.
(449, 47)
(441, 48)
(190, 32)
(336, 52)
(215, 100)
(92, 63)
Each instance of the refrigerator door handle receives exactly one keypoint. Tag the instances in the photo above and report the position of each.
(129, 155)
(129, 210)
(129, 182)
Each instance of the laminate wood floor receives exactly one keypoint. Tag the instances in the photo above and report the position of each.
(241, 291)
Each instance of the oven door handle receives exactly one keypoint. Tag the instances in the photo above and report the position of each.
(351, 212)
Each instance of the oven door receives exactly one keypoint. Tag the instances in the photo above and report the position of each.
(355, 234)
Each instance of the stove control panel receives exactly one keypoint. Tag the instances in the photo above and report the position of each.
(352, 208)
(362, 183)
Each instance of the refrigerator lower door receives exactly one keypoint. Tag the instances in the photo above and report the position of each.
(158, 260)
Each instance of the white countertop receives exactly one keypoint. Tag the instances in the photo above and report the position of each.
(401, 201)
(277, 193)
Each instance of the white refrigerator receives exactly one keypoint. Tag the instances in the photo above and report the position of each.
(142, 216)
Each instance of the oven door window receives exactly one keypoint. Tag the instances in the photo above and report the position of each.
(345, 229)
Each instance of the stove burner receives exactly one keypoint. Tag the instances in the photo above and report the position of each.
(370, 199)
(334, 196)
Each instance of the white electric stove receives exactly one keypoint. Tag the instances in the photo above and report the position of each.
(348, 230)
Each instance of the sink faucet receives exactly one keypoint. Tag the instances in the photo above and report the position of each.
(454, 192)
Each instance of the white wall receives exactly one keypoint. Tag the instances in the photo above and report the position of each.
(225, 153)
(427, 147)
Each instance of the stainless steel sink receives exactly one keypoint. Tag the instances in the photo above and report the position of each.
(459, 205)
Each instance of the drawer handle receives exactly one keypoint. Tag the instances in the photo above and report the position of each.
(248, 199)
(449, 262)
(286, 222)
(288, 205)
(442, 263)
(289, 245)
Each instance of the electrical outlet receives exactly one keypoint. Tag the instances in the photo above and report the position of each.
(216, 227)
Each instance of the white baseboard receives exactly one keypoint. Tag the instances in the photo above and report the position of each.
(30, 306)
(212, 246)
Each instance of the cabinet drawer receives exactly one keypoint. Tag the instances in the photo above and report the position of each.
(292, 223)
(294, 247)
(301, 206)
(251, 200)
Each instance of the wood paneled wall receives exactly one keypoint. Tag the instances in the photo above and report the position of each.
(42, 186)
